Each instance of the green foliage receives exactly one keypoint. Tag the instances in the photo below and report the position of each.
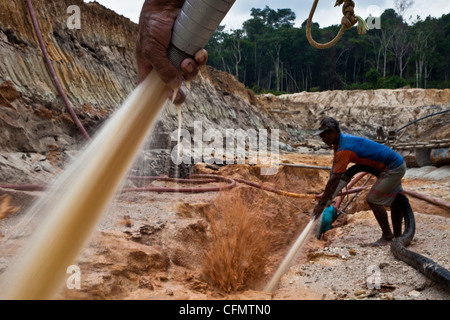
(394, 82)
(269, 54)
(373, 76)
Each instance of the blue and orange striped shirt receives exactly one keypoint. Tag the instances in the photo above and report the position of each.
(365, 152)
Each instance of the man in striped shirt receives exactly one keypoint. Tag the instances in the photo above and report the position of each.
(348, 148)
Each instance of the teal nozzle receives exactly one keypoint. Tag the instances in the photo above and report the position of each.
(328, 216)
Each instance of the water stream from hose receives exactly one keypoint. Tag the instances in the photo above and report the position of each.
(80, 196)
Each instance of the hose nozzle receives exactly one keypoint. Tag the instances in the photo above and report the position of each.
(196, 23)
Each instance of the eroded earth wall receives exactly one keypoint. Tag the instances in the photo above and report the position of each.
(97, 68)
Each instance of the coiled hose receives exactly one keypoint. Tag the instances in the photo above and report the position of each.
(426, 266)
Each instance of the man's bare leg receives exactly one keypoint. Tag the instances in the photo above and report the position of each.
(382, 218)
(397, 218)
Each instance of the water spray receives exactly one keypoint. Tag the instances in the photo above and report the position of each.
(80, 196)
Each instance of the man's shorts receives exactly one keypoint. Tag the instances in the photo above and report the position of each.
(388, 185)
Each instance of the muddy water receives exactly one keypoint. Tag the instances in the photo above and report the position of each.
(81, 195)
(298, 245)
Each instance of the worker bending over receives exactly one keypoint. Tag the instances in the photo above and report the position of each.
(362, 151)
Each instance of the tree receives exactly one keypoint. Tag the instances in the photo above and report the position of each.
(401, 6)
(373, 76)
(423, 46)
(401, 47)
(274, 19)
(236, 39)
(270, 54)
(216, 48)
(282, 18)
(389, 19)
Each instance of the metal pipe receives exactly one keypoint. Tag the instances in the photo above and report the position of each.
(194, 26)
(303, 166)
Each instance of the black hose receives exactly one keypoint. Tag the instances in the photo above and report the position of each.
(426, 266)
(412, 122)
(357, 168)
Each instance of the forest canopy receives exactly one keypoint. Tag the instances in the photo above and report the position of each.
(270, 54)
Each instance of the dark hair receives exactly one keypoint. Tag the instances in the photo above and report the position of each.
(329, 123)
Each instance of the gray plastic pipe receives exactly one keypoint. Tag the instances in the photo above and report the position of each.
(194, 27)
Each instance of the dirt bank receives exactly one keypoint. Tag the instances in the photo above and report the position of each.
(163, 246)
(153, 245)
(347, 267)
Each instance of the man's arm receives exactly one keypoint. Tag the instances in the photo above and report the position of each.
(330, 188)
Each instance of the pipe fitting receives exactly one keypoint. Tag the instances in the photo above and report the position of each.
(191, 31)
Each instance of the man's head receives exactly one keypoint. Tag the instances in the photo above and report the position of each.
(329, 131)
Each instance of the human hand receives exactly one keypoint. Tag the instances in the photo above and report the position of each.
(318, 209)
(155, 32)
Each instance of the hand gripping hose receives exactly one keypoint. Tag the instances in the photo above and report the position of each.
(194, 27)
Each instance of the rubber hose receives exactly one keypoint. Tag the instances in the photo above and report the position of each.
(53, 72)
(291, 194)
(210, 178)
(426, 266)
(206, 179)
(423, 118)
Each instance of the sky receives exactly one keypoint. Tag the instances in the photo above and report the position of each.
(326, 13)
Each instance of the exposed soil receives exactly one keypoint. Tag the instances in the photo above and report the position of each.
(176, 245)
(153, 245)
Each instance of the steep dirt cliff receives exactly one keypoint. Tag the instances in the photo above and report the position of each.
(96, 65)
